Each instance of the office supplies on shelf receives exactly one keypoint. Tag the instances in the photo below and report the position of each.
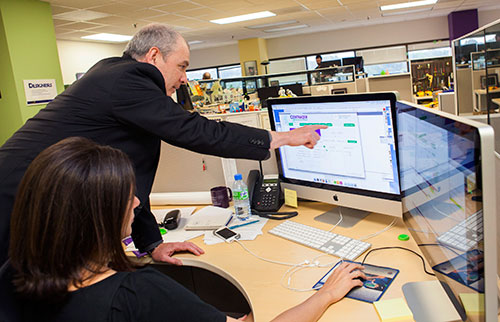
(466, 234)
(326, 241)
(244, 224)
(209, 218)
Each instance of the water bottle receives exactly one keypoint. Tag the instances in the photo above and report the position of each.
(240, 197)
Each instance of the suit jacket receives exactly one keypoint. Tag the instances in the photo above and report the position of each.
(122, 103)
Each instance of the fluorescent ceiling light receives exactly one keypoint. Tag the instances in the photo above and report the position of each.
(267, 25)
(408, 5)
(108, 37)
(286, 28)
(250, 16)
(194, 42)
(404, 12)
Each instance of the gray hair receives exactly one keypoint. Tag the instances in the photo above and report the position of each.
(153, 35)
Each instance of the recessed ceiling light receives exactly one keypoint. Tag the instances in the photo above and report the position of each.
(286, 28)
(267, 25)
(108, 37)
(250, 16)
(194, 42)
(408, 5)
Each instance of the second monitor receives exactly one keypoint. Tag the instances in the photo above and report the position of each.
(355, 162)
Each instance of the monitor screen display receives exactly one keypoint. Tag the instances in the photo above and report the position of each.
(355, 153)
(442, 184)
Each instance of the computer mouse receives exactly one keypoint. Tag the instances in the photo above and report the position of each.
(171, 219)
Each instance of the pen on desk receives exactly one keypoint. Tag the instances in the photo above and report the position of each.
(245, 224)
(230, 218)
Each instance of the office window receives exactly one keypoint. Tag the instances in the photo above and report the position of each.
(311, 60)
(387, 68)
(429, 53)
(229, 71)
(198, 74)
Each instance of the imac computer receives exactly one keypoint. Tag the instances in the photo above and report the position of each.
(447, 171)
(354, 164)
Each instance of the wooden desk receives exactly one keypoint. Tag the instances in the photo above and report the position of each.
(259, 281)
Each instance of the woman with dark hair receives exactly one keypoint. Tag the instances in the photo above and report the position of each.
(73, 207)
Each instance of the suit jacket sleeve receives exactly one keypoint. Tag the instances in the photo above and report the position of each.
(140, 101)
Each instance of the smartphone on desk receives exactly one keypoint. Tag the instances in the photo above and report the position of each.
(265, 192)
(226, 234)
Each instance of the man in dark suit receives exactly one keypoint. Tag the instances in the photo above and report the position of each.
(125, 102)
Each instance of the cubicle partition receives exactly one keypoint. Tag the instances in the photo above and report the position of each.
(180, 170)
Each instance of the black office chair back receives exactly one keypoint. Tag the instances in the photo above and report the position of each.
(10, 307)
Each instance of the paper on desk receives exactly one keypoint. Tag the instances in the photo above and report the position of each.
(393, 310)
(249, 232)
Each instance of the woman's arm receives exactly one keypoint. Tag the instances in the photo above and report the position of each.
(342, 280)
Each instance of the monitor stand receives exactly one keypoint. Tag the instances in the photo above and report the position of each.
(428, 301)
(350, 216)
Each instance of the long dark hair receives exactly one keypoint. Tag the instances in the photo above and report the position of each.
(68, 216)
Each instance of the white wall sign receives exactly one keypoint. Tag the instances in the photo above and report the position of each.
(39, 91)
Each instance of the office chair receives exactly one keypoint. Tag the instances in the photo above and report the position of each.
(10, 306)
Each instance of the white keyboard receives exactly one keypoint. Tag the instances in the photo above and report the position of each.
(326, 241)
(466, 234)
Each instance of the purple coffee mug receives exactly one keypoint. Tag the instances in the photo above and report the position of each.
(221, 196)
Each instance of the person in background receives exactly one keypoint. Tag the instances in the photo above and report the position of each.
(75, 204)
(206, 75)
(319, 60)
(125, 102)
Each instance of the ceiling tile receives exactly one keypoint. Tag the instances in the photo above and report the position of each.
(446, 5)
(146, 13)
(110, 20)
(80, 4)
(191, 17)
(57, 9)
(117, 8)
(80, 15)
(81, 25)
(180, 7)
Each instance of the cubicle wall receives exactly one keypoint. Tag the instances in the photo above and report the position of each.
(181, 170)
(388, 83)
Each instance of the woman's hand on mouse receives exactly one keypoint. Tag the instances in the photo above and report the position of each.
(342, 280)
(163, 252)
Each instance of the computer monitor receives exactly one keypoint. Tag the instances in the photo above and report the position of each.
(447, 170)
(331, 63)
(353, 165)
(267, 92)
(490, 80)
(356, 61)
(184, 98)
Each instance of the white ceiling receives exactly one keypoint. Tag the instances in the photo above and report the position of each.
(76, 18)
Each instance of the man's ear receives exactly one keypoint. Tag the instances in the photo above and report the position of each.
(152, 55)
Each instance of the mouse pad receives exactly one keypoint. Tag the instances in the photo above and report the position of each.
(377, 281)
(467, 269)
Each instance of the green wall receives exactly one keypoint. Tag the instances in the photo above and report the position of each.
(28, 50)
